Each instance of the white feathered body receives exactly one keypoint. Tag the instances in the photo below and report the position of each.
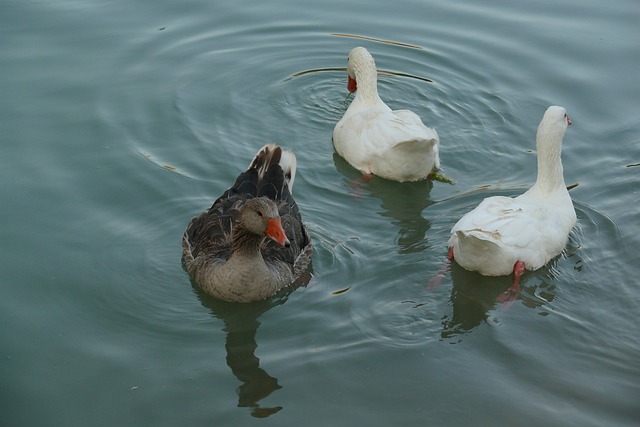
(500, 231)
(374, 139)
(532, 228)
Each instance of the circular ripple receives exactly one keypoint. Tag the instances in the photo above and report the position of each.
(393, 307)
(215, 97)
(400, 323)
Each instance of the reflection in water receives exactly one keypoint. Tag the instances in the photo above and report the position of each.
(403, 202)
(241, 325)
(474, 295)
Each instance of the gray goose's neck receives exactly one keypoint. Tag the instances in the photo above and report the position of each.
(245, 243)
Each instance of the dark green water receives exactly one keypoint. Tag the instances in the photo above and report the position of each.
(119, 121)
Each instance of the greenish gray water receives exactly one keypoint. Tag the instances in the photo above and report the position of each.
(122, 120)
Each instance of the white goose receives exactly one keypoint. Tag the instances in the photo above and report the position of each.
(395, 145)
(503, 234)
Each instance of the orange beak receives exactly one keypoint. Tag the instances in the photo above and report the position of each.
(351, 85)
(276, 232)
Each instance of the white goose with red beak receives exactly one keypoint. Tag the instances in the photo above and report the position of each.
(251, 242)
(376, 140)
(505, 235)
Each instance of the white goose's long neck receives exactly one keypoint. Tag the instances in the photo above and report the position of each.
(367, 78)
(550, 172)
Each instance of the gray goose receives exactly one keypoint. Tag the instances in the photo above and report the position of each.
(251, 242)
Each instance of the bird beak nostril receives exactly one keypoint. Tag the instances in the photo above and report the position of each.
(276, 232)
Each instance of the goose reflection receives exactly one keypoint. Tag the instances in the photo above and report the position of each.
(474, 296)
(402, 202)
(241, 325)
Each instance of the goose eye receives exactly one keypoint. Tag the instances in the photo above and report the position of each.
(259, 214)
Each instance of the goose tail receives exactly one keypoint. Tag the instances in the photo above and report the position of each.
(264, 164)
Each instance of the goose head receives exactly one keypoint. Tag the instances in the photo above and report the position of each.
(260, 216)
(554, 124)
(360, 66)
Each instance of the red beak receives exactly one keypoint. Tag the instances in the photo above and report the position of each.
(568, 121)
(276, 232)
(351, 85)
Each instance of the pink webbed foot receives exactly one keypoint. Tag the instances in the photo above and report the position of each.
(509, 296)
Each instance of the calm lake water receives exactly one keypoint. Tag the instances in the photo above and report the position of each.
(120, 120)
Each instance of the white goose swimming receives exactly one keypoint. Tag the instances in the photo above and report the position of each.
(503, 234)
(395, 145)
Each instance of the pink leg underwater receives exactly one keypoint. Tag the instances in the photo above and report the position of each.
(367, 177)
(437, 279)
(511, 294)
(356, 185)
